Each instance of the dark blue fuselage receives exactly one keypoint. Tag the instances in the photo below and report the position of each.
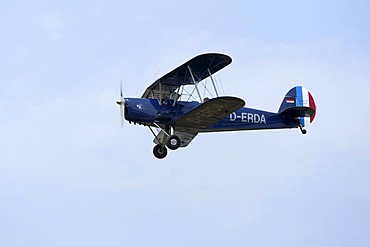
(148, 111)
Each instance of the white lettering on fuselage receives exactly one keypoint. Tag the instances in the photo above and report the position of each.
(247, 117)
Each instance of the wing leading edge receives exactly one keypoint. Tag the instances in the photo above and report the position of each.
(201, 66)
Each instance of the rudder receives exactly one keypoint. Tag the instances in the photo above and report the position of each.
(298, 103)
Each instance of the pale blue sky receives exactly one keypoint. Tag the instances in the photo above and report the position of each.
(69, 176)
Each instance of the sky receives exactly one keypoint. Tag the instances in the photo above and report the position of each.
(70, 176)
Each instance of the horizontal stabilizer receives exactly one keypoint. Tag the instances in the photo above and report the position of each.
(295, 112)
(210, 112)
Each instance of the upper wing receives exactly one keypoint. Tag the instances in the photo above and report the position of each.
(209, 112)
(200, 66)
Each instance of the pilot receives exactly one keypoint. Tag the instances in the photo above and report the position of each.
(205, 99)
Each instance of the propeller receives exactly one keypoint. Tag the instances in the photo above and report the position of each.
(121, 103)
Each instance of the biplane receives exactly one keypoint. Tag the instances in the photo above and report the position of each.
(170, 107)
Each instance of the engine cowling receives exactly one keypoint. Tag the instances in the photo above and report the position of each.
(141, 110)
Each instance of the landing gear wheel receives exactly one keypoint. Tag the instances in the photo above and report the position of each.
(173, 142)
(160, 151)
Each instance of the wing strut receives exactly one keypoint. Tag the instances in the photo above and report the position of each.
(195, 83)
(213, 83)
(160, 93)
(177, 97)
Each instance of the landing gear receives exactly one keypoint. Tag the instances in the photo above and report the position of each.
(173, 142)
(160, 151)
(302, 130)
(165, 139)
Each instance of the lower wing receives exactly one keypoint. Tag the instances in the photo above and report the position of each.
(209, 112)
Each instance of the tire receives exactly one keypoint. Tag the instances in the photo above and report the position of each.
(160, 151)
(173, 142)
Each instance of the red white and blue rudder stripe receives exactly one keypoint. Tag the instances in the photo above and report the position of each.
(300, 100)
(305, 99)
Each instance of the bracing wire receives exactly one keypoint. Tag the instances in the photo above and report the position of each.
(206, 89)
(220, 82)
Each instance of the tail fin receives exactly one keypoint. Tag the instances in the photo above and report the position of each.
(298, 103)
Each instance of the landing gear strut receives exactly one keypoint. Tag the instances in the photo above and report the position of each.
(160, 151)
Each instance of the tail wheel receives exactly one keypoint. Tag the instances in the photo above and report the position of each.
(302, 130)
(160, 151)
(173, 142)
